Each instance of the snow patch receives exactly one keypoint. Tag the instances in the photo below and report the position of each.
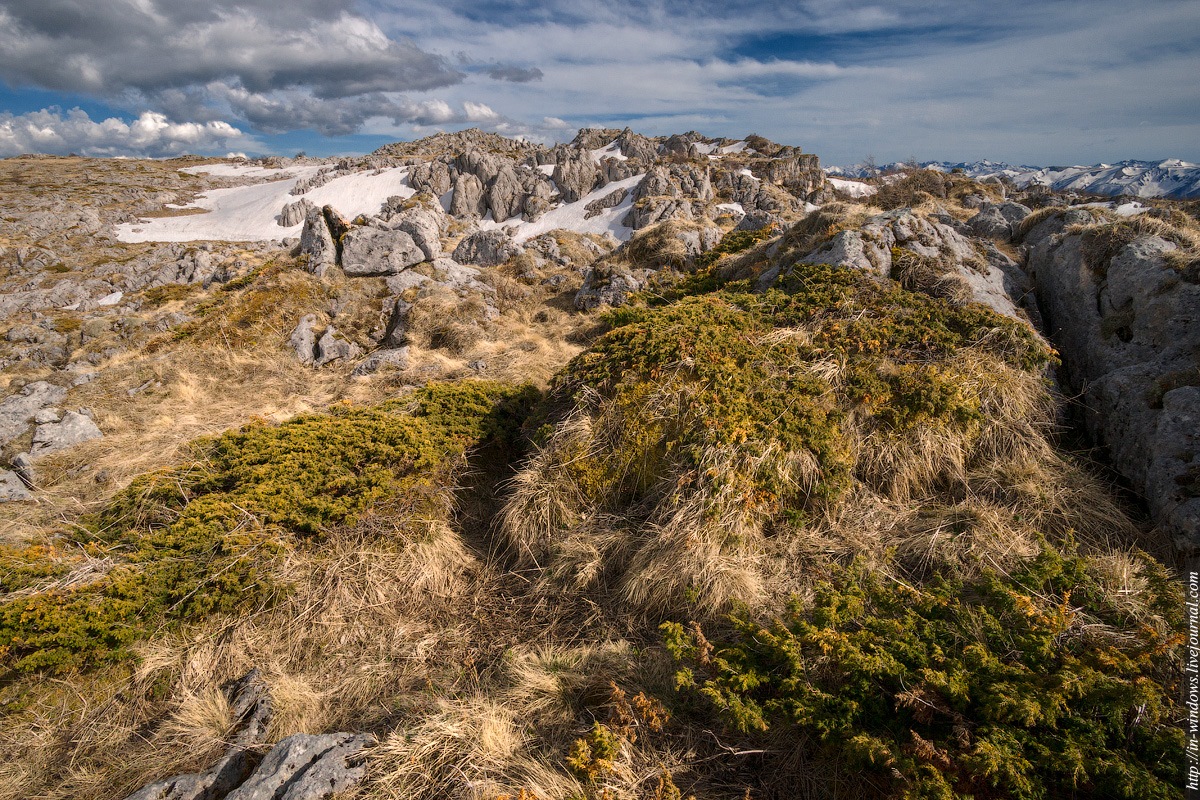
(248, 213)
(573, 216)
(852, 188)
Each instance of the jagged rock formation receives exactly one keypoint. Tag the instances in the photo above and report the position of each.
(301, 767)
(1128, 326)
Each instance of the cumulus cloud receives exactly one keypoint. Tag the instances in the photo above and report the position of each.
(514, 74)
(151, 134)
(151, 45)
(316, 64)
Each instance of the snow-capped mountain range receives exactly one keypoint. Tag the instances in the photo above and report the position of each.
(1170, 178)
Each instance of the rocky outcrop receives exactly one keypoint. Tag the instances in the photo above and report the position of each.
(17, 411)
(425, 226)
(505, 195)
(468, 200)
(1129, 334)
(295, 213)
(378, 251)
(486, 249)
(302, 766)
(306, 767)
(606, 286)
(12, 488)
(331, 347)
(303, 340)
(800, 174)
(53, 434)
(431, 176)
(998, 220)
(575, 177)
(316, 243)
(996, 281)
(610, 200)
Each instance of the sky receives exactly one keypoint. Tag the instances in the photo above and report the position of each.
(1052, 82)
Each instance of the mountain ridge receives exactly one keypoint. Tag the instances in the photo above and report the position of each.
(1170, 178)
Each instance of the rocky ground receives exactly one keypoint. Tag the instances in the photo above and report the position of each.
(906, 395)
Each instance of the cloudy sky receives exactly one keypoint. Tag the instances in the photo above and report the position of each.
(1045, 82)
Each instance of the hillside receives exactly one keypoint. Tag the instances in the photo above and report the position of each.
(635, 467)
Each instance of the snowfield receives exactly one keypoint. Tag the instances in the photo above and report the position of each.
(248, 213)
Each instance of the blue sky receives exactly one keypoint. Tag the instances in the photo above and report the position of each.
(1025, 82)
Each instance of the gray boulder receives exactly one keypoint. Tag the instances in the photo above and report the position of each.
(376, 251)
(316, 242)
(304, 339)
(12, 488)
(73, 429)
(431, 176)
(295, 213)
(575, 177)
(424, 225)
(653, 210)
(505, 195)
(605, 287)
(610, 200)
(397, 357)
(306, 766)
(250, 703)
(486, 249)
(331, 348)
(1129, 335)
(468, 200)
(396, 333)
(989, 223)
(17, 411)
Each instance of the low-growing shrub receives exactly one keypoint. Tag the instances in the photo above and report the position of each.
(1029, 685)
(203, 538)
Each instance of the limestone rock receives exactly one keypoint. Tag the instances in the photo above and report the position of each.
(304, 339)
(431, 176)
(800, 174)
(295, 213)
(317, 243)
(22, 465)
(396, 335)
(468, 200)
(306, 767)
(653, 210)
(1129, 334)
(331, 348)
(397, 357)
(424, 225)
(375, 251)
(989, 223)
(604, 287)
(12, 488)
(17, 411)
(575, 177)
(250, 705)
(610, 200)
(505, 195)
(486, 249)
(73, 429)
(538, 201)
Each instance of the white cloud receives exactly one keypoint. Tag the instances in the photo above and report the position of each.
(151, 134)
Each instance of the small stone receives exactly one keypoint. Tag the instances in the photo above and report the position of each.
(75, 428)
(12, 488)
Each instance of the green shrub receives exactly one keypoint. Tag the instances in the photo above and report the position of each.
(1033, 685)
(742, 356)
(202, 538)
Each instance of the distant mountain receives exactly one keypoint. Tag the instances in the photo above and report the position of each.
(1170, 178)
